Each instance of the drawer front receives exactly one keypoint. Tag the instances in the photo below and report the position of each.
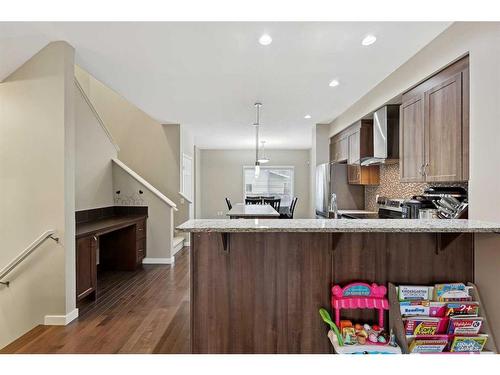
(141, 229)
(141, 249)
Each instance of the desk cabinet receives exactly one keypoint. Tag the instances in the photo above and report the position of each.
(86, 264)
(122, 246)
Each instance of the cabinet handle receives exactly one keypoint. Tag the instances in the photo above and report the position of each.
(425, 168)
(140, 229)
(95, 238)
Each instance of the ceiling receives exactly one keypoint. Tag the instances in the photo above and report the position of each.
(208, 75)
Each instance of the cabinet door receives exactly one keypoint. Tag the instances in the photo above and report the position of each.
(353, 174)
(354, 148)
(411, 140)
(358, 175)
(86, 266)
(443, 131)
(333, 151)
(343, 149)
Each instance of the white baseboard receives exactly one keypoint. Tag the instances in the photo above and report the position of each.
(158, 260)
(60, 320)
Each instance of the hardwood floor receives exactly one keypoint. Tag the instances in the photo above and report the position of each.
(145, 311)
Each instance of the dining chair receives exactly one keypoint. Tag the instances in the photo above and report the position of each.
(229, 205)
(289, 214)
(253, 200)
(292, 207)
(274, 203)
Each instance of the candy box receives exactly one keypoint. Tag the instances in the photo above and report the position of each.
(412, 293)
(462, 308)
(468, 343)
(464, 325)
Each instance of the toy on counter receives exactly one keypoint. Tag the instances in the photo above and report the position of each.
(360, 338)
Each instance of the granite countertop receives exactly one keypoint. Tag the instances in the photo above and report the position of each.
(355, 212)
(253, 210)
(340, 225)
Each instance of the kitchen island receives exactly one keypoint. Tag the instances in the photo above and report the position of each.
(257, 284)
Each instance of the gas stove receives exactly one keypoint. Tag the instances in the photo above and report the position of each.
(388, 208)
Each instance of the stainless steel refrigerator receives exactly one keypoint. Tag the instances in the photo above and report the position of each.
(332, 178)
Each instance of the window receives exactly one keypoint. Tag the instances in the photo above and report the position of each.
(274, 182)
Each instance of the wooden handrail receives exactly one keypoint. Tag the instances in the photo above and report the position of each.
(32, 247)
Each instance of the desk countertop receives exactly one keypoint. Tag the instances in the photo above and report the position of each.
(106, 225)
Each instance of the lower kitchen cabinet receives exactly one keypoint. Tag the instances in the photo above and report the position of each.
(86, 272)
(358, 175)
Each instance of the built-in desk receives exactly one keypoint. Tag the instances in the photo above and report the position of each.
(111, 238)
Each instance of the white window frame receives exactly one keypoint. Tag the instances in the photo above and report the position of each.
(292, 167)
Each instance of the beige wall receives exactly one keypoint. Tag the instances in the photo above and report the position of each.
(94, 151)
(160, 215)
(37, 184)
(148, 147)
(221, 175)
(482, 42)
(320, 153)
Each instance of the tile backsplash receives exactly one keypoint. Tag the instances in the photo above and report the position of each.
(391, 187)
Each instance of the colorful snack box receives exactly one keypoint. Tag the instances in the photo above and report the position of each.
(464, 325)
(462, 308)
(468, 343)
(412, 293)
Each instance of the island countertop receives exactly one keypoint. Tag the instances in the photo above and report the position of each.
(340, 225)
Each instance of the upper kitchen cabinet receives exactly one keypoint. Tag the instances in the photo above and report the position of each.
(339, 148)
(411, 148)
(360, 141)
(434, 127)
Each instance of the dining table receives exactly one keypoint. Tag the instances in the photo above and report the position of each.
(253, 211)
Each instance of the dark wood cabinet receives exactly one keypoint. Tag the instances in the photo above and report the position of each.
(86, 272)
(358, 175)
(411, 144)
(434, 127)
(122, 246)
(443, 131)
(339, 149)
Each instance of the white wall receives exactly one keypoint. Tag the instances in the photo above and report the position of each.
(482, 42)
(37, 185)
(94, 151)
(221, 176)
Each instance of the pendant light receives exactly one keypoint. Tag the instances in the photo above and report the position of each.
(257, 126)
(263, 158)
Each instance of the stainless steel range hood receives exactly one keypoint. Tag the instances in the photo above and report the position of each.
(385, 136)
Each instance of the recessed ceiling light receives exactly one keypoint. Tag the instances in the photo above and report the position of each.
(307, 117)
(265, 40)
(334, 83)
(369, 39)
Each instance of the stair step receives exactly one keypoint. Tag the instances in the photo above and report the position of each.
(177, 240)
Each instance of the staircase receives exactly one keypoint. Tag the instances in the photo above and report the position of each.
(177, 244)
